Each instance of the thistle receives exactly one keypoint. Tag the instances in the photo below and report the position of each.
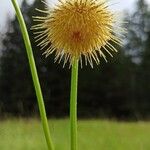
(77, 29)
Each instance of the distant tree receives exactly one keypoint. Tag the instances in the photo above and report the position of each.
(107, 89)
(16, 89)
(144, 81)
(137, 27)
(137, 46)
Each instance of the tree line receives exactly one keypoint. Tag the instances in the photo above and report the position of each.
(117, 89)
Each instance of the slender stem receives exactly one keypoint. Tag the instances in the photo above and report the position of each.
(34, 75)
(73, 105)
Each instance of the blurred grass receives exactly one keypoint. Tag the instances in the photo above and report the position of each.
(21, 134)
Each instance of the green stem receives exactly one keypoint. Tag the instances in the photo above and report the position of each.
(73, 105)
(34, 75)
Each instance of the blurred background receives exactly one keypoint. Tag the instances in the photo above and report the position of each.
(119, 89)
(113, 98)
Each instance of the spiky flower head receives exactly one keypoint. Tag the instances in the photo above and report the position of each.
(77, 29)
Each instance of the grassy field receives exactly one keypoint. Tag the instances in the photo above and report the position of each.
(93, 135)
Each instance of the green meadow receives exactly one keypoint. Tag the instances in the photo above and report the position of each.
(26, 134)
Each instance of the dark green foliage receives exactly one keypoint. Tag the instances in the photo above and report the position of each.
(119, 88)
(17, 92)
(138, 45)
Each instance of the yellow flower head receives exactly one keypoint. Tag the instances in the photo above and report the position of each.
(77, 29)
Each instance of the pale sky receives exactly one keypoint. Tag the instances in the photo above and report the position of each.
(6, 9)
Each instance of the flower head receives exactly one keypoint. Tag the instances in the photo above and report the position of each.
(77, 29)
